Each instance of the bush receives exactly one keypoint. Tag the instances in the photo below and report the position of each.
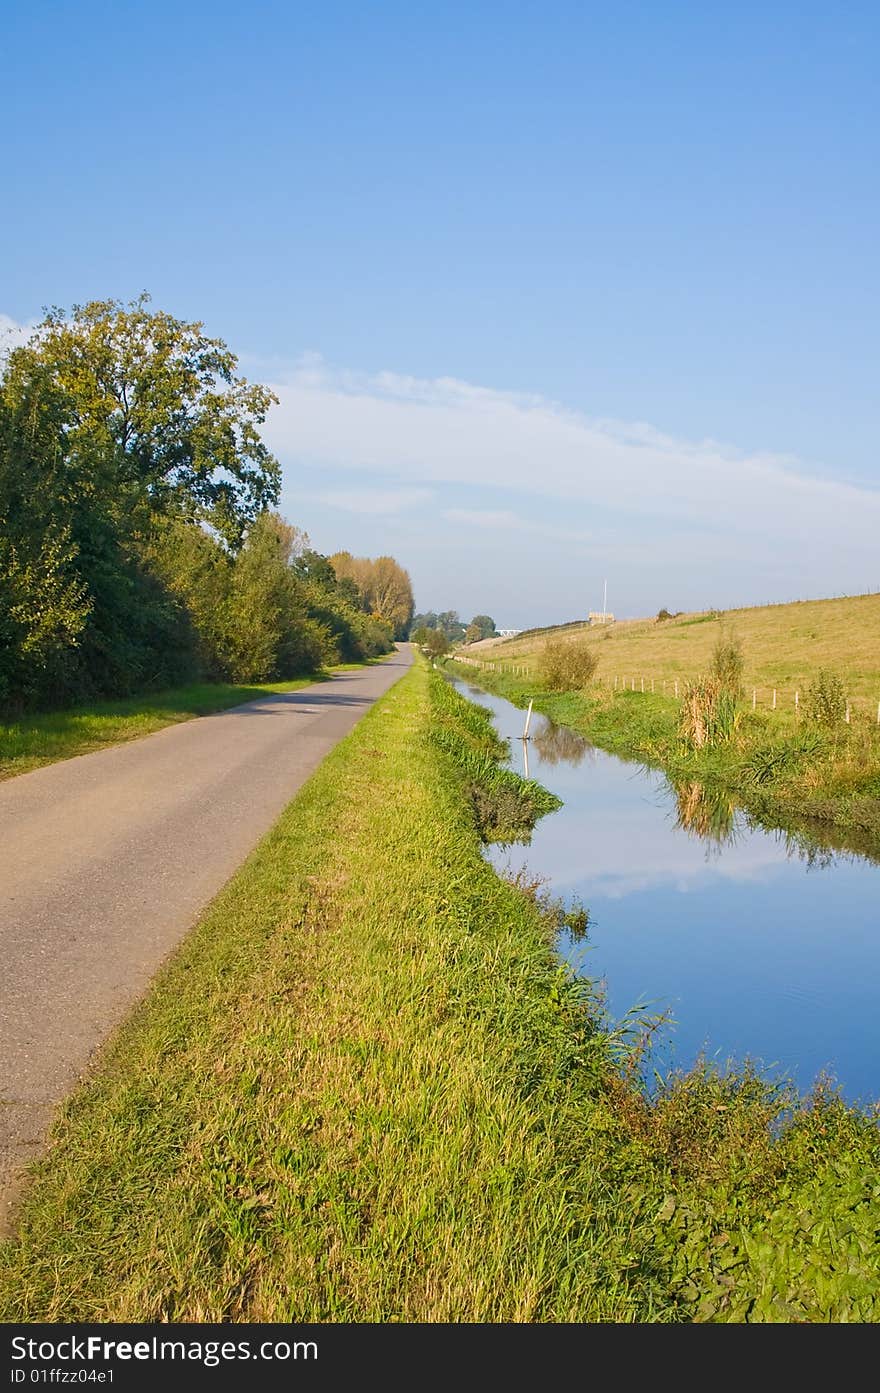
(437, 643)
(567, 667)
(825, 700)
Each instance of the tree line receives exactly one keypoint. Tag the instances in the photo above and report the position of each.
(139, 546)
(436, 632)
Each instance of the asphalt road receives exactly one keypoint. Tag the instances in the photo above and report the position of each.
(106, 861)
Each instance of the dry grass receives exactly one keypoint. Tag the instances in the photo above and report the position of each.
(784, 646)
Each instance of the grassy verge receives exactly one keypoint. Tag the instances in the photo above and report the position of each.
(43, 738)
(366, 1090)
(784, 646)
(814, 782)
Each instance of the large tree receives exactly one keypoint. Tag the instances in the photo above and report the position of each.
(115, 424)
(156, 418)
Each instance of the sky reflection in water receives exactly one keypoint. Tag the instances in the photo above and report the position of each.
(753, 949)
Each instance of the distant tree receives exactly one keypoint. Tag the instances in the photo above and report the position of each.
(420, 635)
(391, 594)
(485, 624)
(451, 625)
(423, 621)
(383, 586)
(437, 643)
(473, 633)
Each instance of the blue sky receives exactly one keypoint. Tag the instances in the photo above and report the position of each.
(550, 292)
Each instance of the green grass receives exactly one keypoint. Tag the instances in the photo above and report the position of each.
(43, 738)
(366, 1090)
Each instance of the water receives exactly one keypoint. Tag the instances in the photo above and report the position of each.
(756, 950)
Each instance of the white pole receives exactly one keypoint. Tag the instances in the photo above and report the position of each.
(525, 734)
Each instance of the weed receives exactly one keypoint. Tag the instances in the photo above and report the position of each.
(825, 700)
(708, 714)
(728, 664)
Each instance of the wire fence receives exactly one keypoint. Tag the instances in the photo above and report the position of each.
(765, 698)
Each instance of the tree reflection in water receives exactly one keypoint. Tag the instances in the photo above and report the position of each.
(561, 745)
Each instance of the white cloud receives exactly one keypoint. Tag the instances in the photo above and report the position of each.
(12, 334)
(378, 502)
(503, 520)
(694, 500)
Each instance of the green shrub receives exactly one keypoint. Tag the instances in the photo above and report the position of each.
(825, 700)
(567, 667)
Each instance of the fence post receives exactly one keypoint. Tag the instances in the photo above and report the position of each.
(525, 734)
(643, 684)
(676, 686)
(774, 699)
(754, 697)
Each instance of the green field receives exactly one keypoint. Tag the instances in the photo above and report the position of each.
(366, 1090)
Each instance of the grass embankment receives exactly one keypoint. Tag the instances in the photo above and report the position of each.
(365, 1090)
(45, 737)
(784, 646)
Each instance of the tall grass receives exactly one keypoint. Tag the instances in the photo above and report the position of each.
(708, 713)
